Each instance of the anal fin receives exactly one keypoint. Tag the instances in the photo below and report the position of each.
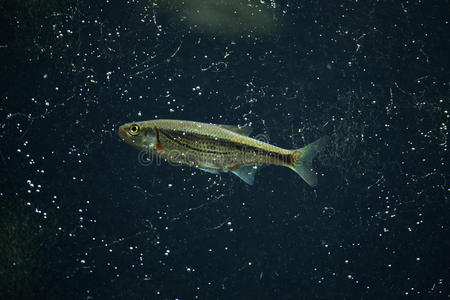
(212, 171)
(246, 173)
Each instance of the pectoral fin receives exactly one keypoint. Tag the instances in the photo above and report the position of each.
(246, 173)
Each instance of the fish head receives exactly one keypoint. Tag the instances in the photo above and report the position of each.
(141, 135)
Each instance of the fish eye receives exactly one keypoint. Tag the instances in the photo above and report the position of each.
(134, 129)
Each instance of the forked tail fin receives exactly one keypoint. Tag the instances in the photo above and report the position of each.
(303, 157)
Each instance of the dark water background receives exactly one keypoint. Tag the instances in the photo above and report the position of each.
(82, 219)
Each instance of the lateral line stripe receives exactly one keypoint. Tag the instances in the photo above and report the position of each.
(239, 146)
(247, 148)
(189, 146)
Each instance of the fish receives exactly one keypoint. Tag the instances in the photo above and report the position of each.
(217, 148)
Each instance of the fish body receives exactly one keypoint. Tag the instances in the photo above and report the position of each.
(217, 148)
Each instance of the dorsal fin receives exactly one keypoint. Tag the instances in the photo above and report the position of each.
(242, 130)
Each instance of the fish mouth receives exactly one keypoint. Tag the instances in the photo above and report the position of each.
(122, 133)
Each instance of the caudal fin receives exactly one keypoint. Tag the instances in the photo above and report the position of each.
(303, 160)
